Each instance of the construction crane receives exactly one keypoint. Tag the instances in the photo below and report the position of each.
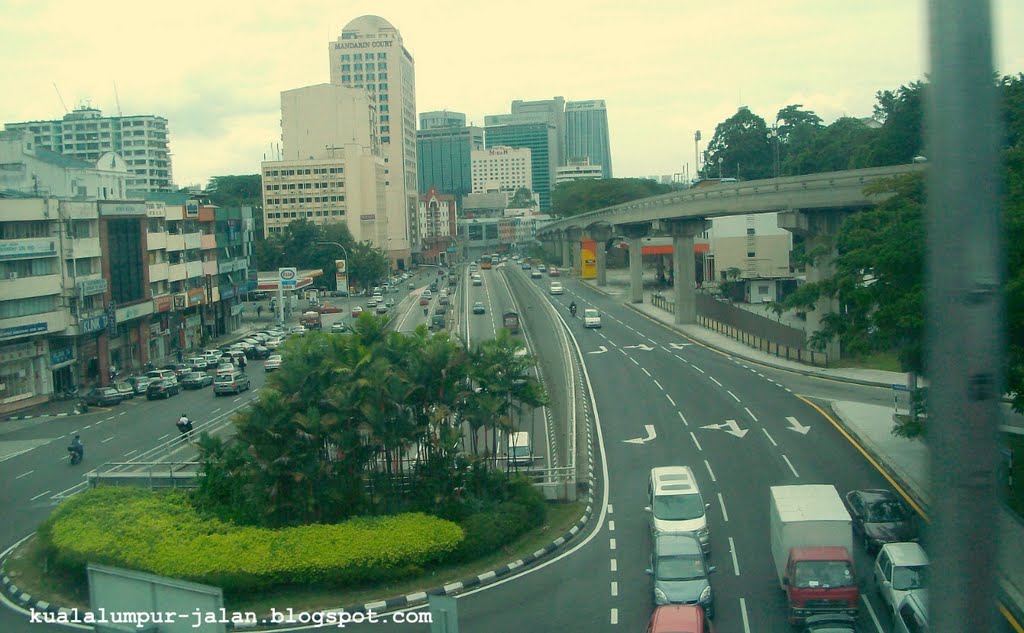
(60, 97)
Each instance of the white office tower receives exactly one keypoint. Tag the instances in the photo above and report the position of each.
(369, 55)
(586, 134)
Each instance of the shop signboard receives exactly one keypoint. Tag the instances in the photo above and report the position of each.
(180, 301)
(23, 330)
(62, 356)
(34, 247)
(287, 277)
(122, 208)
(192, 209)
(162, 303)
(196, 297)
(92, 287)
(94, 324)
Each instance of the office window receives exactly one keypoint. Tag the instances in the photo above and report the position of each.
(750, 254)
(750, 231)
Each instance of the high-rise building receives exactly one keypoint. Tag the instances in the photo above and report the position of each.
(550, 111)
(441, 119)
(578, 169)
(502, 169)
(443, 157)
(586, 134)
(542, 141)
(369, 54)
(85, 134)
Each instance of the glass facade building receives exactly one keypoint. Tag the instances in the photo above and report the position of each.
(542, 141)
(586, 134)
(444, 158)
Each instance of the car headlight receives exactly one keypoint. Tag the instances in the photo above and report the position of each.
(703, 532)
(660, 597)
(705, 596)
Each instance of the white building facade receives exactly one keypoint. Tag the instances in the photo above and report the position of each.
(501, 169)
(578, 169)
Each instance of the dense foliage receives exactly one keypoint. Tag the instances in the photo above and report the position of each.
(236, 191)
(580, 196)
(162, 533)
(370, 422)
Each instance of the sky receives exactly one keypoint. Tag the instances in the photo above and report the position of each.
(665, 69)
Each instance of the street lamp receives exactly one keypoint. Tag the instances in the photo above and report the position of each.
(773, 138)
(343, 252)
(720, 161)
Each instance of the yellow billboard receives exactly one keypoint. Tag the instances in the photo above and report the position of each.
(588, 253)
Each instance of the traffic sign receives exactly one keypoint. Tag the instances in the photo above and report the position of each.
(900, 388)
(288, 277)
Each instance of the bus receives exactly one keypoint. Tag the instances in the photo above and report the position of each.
(485, 262)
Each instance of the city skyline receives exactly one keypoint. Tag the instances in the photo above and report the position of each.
(664, 72)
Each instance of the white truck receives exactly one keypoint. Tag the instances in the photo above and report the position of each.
(811, 543)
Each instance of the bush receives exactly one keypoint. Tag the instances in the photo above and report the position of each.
(163, 534)
(488, 531)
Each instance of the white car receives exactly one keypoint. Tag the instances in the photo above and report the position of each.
(272, 343)
(900, 569)
(591, 318)
(273, 362)
(226, 369)
(556, 288)
(299, 329)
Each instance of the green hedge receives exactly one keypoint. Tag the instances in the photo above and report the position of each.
(163, 534)
(488, 531)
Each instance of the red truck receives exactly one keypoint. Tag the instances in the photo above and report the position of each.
(811, 542)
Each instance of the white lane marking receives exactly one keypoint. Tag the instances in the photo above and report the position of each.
(238, 398)
(39, 495)
(611, 526)
(87, 426)
(615, 565)
(25, 474)
(682, 418)
(701, 371)
(615, 616)
(634, 362)
(670, 399)
(108, 439)
(610, 509)
(743, 612)
(770, 438)
(695, 441)
(624, 352)
(790, 466)
(710, 472)
(733, 395)
(601, 334)
(735, 562)
(747, 409)
(130, 452)
(646, 372)
(615, 588)
(659, 385)
(122, 413)
(721, 502)
(715, 381)
(215, 410)
(162, 437)
(611, 543)
(871, 612)
(110, 418)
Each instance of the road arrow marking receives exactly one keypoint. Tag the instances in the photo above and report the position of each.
(680, 345)
(641, 346)
(796, 426)
(601, 350)
(643, 440)
(729, 427)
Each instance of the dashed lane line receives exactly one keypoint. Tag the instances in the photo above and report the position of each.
(747, 409)
(770, 438)
(695, 441)
(790, 464)
(721, 502)
(710, 472)
(735, 561)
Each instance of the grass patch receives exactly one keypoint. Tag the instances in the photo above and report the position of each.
(884, 361)
(26, 566)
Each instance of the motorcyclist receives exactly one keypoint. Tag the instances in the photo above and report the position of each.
(185, 425)
(77, 450)
(572, 308)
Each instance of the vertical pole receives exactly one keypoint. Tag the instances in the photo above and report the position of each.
(965, 334)
(280, 302)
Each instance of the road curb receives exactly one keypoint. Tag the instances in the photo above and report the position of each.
(15, 418)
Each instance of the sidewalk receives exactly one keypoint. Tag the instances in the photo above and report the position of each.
(906, 461)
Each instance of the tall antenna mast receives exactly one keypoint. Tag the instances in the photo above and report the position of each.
(65, 106)
(117, 100)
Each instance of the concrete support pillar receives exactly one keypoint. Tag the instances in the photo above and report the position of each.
(566, 251)
(818, 228)
(600, 234)
(634, 234)
(575, 235)
(683, 273)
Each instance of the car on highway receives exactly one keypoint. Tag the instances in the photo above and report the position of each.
(196, 380)
(536, 274)
(879, 517)
(477, 281)
(900, 569)
(443, 300)
(425, 297)
(591, 318)
(525, 266)
(412, 286)
(681, 573)
(139, 383)
(679, 618)
(356, 311)
(830, 623)
(272, 363)
(124, 388)
(339, 327)
(554, 272)
(235, 382)
(164, 388)
(542, 268)
(478, 308)
(372, 302)
(382, 308)
(556, 288)
(103, 396)
(328, 308)
(433, 286)
(298, 330)
(676, 505)
(378, 299)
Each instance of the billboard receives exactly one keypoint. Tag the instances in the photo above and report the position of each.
(588, 255)
(341, 274)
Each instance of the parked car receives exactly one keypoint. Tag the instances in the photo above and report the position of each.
(478, 308)
(162, 389)
(103, 396)
(900, 569)
(680, 572)
(328, 308)
(356, 311)
(160, 374)
(140, 383)
(879, 517)
(179, 369)
(273, 362)
(273, 343)
(235, 382)
(196, 380)
(340, 292)
(258, 352)
(299, 330)
(225, 368)
(126, 390)
(197, 363)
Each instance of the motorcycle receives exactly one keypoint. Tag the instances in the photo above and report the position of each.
(76, 455)
(572, 310)
(71, 393)
(81, 407)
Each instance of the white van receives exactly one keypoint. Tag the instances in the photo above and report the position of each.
(520, 452)
(676, 505)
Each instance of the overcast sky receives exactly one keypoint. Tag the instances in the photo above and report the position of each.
(215, 70)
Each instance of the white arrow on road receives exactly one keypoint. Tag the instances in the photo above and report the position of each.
(640, 346)
(643, 440)
(796, 426)
(601, 350)
(729, 427)
(680, 345)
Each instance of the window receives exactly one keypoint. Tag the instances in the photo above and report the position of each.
(751, 254)
(750, 231)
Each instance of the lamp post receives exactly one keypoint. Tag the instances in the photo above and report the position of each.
(343, 252)
(720, 161)
(773, 138)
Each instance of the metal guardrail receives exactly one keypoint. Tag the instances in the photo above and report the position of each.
(153, 474)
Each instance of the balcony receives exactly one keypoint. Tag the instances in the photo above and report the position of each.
(159, 272)
(85, 247)
(25, 287)
(156, 241)
(193, 241)
(209, 241)
(175, 242)
(177, 272)
(210, 267)
(195, 269)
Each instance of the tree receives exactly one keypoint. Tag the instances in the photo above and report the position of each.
(581, 196)
(902, 135)
(797, 129)
(236, 191)
(522, 198)
(845, 144)
(741, 142)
